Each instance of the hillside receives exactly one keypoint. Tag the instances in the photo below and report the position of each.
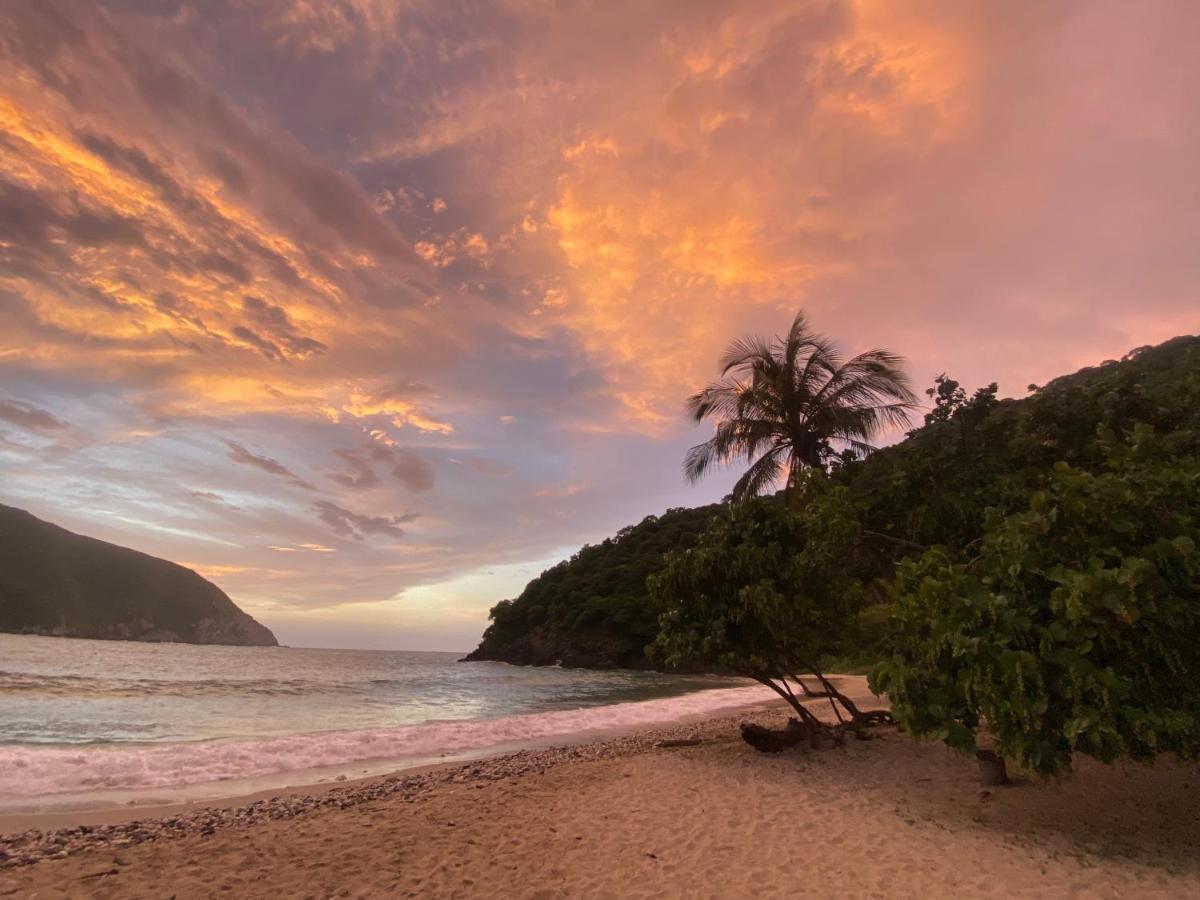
(55, 582)
(592, 610)
(933, 487)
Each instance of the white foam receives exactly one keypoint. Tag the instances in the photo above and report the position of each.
(33, 772)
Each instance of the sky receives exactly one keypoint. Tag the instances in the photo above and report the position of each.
(370, 310)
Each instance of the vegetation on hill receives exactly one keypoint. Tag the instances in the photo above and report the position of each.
(978, 454)
(1039, 593)
(768, 592)
(592, 610)
(1074, 627)
(1027, 565)
(55, 582)
(934, 487)
(783, 406)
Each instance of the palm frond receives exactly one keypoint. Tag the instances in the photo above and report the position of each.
(761, 475)
(786, 403)
(744, 351)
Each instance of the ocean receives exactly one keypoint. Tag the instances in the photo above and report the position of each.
(94, 722)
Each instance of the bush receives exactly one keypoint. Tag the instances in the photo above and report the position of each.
(766, 593)
(1075, 630)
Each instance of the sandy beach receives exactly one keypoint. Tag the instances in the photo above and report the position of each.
(628, 817)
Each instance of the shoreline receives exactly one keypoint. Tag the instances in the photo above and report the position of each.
(26, 839)
(234, 793)
(70, 778)
(629, 817)
(105, 805)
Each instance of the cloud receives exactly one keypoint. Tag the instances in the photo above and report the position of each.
(31, 418)
(240, 454)
(212, 497)
(405, 466)
(361, 474)
(488, 467)
(274, 321)
(460, 244)
(396, 402)
(310, 548)
(562, 490)
(171, 186)
(35, 226)
(345, 523)
(303, 27)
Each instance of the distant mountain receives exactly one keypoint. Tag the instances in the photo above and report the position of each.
(55, 582)
(933, 488)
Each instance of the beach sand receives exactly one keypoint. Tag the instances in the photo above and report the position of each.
(626, 819)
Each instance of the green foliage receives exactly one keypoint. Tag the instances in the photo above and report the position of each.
(935, 487)
(948, 398)
(592, 609)
(766, 592)
(1077, 627)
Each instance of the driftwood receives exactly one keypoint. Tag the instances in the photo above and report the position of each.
(771, 740)
(679, 742)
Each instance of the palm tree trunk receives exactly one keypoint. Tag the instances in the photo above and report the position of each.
(791, 491)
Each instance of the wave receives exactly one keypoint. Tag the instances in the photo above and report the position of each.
(40, 771)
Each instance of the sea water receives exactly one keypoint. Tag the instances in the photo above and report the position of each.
(80, 717)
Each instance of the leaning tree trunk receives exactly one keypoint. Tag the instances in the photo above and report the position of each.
(807, 728)
(858, 719)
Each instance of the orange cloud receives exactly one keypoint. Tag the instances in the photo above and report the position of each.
(721, 189)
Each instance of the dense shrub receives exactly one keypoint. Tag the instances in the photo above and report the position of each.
(1076, 628)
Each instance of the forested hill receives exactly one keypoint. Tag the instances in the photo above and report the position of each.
(55, 582)
(592, 610)
(935, 487)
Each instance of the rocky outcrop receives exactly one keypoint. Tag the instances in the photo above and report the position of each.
(57, 583)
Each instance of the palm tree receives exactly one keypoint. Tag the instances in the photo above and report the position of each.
(786, 404)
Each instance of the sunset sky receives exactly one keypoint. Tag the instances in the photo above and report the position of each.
(369, 310)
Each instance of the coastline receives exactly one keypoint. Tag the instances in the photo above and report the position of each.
(29, 838)
(98, 786)
(628, 817)
(304, 783)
